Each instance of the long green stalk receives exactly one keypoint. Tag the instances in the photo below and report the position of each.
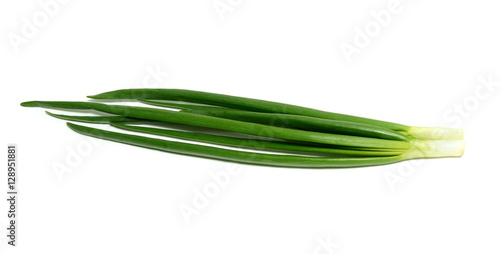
(231, 125)
(249, 143)
(238, 103)
(180, 105)
(98, 119)
(304, 123)
(252, 143)
(428, 133)
(288, 120)
(232, 155)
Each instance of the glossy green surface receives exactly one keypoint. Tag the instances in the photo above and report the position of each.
(304, 123)
(232, 155)
(179, 105)
(251, 143)
(98, 119)
(238, 103)
(231, 125)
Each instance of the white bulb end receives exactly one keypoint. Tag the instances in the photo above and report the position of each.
(436, 148)
(436, 133)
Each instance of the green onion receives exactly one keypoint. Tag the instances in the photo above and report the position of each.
(274, 107)
(247, 143)
(323, 139)
(286, 120)
(251, 143)
(304, 123)
(233, 155)
(237, 103)
(230, 125)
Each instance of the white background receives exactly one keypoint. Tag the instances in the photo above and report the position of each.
(422, 67)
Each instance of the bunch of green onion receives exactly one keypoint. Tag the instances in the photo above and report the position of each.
(270, 133)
